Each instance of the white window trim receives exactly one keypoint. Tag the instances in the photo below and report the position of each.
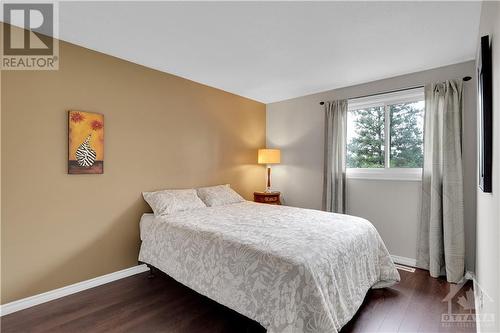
(401, 174)
(385, 100)
(408, 95)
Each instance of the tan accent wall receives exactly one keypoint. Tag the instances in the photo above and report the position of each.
(162, 131)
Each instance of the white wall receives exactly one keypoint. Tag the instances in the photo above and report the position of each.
(297, 126)
(488, 204)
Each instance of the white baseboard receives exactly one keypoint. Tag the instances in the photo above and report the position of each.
(469, 275)
(404, 261)
(477, 300)
(27, 302)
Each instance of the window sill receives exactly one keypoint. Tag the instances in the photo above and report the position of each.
(393, 174)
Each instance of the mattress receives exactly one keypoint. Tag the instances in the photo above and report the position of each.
(145, 223)
(290, 269)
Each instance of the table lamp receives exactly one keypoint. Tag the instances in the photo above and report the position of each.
(269, 156)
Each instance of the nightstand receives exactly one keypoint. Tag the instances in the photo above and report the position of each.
(272, 198)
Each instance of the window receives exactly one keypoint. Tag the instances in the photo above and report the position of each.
(385, 136)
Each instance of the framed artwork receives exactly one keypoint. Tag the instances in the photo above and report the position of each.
(85, 142)
(485, 103)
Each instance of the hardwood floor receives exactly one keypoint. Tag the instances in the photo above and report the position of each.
(139, 304)
(414, 305)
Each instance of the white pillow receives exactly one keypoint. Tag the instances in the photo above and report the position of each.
(218, 195)
(171, 201)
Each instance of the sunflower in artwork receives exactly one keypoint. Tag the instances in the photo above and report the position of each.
(76, 117)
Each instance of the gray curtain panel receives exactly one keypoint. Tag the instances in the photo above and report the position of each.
(335, 152)
(441, 241)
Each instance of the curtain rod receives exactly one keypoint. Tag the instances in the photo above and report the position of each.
(465, 78)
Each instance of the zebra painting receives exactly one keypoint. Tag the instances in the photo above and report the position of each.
(85, 142)
(85, 155)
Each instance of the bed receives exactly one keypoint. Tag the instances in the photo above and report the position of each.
(290, 269)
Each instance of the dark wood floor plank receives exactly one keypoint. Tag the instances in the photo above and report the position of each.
(416, 309)
(415, 303)
(83, 304)
(139, 304)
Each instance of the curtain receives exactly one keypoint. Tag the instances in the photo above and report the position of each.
(334, 156)
(441, 247)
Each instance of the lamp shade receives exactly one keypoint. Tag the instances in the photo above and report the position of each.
(269, 156)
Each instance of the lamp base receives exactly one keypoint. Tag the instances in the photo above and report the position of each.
(268, 190)
(268, 187)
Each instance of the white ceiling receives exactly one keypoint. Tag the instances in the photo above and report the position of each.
(274, 51)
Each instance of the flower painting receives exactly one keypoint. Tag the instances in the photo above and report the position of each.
(85, 142)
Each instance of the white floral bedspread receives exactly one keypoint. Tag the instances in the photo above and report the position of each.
(290, 269)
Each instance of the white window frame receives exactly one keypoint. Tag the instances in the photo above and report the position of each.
(385, 100)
